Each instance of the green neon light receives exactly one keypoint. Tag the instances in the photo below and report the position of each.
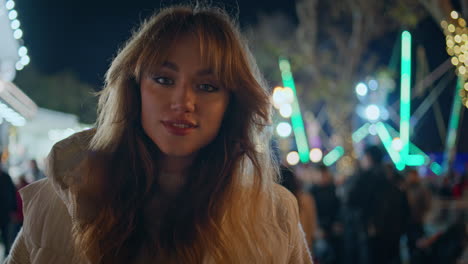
(296, 117)
(333, 156)
(413, 148)
(415, 160)
(405, 97)
(387, 142)
(450, 147)
(436, 168)
(361, 133)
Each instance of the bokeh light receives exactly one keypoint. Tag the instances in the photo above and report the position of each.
(285, 110)
(372, 112)
(315, 155)
(292, 158)
(361, 89)
(12, 14)
(373, 85)
(284, 129)
(22, 51)
(10, 4)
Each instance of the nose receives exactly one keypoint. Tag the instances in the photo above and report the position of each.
(183, 98)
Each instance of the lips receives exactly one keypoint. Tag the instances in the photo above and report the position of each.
(179, 127)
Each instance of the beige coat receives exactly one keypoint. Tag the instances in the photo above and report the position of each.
(49, 210)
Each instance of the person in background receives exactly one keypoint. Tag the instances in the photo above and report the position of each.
(419, 198)
(328, 208)
(445, 190)
(34, 171)
(307, 208)
(18, 216)
(460, 187)
(178, 168)
(7, 208)
(381, 209)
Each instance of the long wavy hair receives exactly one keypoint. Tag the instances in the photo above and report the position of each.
(225, 211)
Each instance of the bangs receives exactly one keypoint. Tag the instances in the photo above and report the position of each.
(218, 48)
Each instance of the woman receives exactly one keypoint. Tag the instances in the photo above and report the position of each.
(178, 168)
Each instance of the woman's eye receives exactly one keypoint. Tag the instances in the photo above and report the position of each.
(163, 80)
(207, 88)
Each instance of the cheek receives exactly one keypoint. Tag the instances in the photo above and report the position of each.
(150, 110)
(216, 114)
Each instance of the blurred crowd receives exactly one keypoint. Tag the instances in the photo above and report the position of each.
(11, 206)
(381, 215)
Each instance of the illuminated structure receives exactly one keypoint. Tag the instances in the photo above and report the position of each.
(13, 54)
(456, 41)
(397, 144)
(16, 108)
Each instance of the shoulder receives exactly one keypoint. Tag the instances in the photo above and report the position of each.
(284, 198)
(287, 208)
(66, 164)
(47, 222)
(39, 198)
(67, 153)
(66, 160)
(288, 218)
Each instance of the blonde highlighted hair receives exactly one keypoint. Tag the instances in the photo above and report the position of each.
(226, 210)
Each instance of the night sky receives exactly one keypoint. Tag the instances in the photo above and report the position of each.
(84, 35)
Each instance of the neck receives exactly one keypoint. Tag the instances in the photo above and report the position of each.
(173, 172)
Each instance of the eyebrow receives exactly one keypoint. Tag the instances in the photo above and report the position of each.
(174, 67)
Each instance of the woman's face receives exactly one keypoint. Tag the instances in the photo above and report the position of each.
(182, 102)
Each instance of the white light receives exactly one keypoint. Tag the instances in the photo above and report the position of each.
(288, 95)
(361, 89)
(10, 4)
(11, 115)
(397, 144)
(278, 97)
(59, 134)
(282, 96)
(292, 158)
(18, 34)
(15, 24)
(286, 110)
(22, 51)
(25, 60)
(315, 155)
(372, 112)
(12, 14)
(19, 66)
(283, 129)
(19, 123)
(373, 85)
(373, 130)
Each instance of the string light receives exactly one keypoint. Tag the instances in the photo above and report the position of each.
(456, 40)
(454, 14)
(17, 34)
